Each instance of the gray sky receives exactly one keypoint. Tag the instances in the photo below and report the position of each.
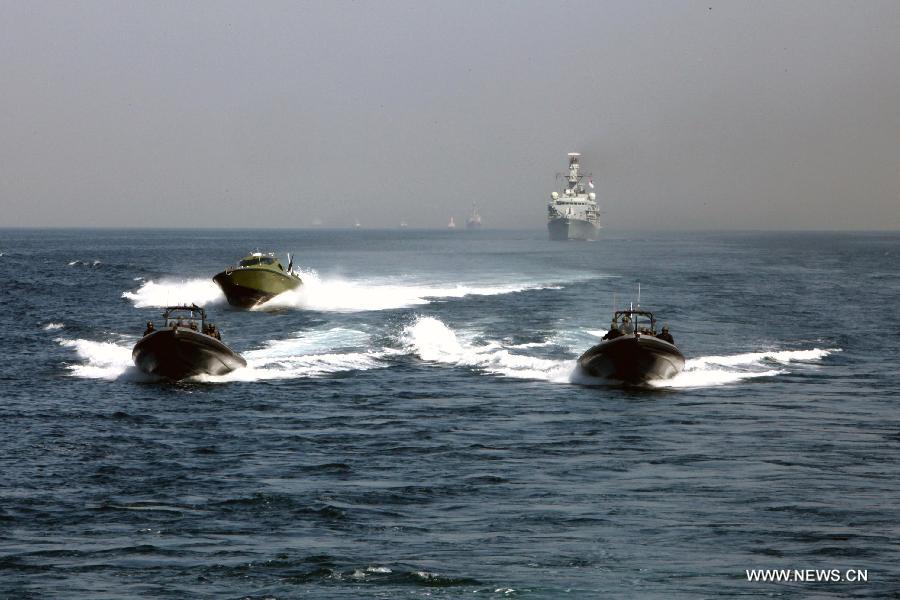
(745, 115)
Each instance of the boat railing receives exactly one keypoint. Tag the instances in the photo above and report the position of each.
(192, 314)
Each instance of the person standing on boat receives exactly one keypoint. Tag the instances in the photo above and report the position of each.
(666, 336)
(626, 326)
(613, 332)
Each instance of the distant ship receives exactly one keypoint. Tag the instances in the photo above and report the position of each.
(403, 224)
(474, 221)
(451, 224)
(357, 225)
(573, 214)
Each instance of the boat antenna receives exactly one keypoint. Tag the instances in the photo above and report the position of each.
(639, 294)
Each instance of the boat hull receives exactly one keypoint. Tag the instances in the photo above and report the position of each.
(246, 288)
(178, 353)
(633, 359)
(564, 228)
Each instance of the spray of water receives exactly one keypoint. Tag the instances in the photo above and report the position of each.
(316, 293)
(165, 292)
(433, 341)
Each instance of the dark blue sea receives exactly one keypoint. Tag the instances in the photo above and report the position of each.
(411, 424)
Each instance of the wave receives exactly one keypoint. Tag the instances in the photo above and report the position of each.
(321, 294)
(52, 326)
(309, 355)
(433, 341)
(93, 264)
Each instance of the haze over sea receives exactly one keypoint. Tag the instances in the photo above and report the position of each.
(410, 423)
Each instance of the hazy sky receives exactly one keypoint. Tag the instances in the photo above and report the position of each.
(742, 115)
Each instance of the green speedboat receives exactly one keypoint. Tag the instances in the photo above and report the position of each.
(257, 278)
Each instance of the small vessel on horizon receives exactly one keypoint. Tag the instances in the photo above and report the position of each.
(632, 351)
(573, 214)
(474, 220)
(451, 224)
(257, 278)
(186, 345)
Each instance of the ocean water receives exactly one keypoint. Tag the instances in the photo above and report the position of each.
(411, 422)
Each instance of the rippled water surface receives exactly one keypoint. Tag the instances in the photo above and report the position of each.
(411, 422)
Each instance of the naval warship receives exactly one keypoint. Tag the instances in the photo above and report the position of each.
(573, 214)
(474, 220)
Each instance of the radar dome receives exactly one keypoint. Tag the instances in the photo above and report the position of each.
(592, 196)
(554, 195)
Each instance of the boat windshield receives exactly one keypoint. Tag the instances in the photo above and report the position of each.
(189, 322)
(257, 260)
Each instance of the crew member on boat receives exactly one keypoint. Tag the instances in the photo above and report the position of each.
(613, 332)
(665, 335)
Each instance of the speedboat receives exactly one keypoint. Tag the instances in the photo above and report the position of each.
(632, 351)
(186, 345)
(257, 278)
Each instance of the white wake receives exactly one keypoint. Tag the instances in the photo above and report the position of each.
(322, 294)
(720, 370)
(310, 354)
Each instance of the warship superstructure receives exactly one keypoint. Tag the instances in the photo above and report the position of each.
(573, 214)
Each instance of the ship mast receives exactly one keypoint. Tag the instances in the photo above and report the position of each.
(574, 177)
